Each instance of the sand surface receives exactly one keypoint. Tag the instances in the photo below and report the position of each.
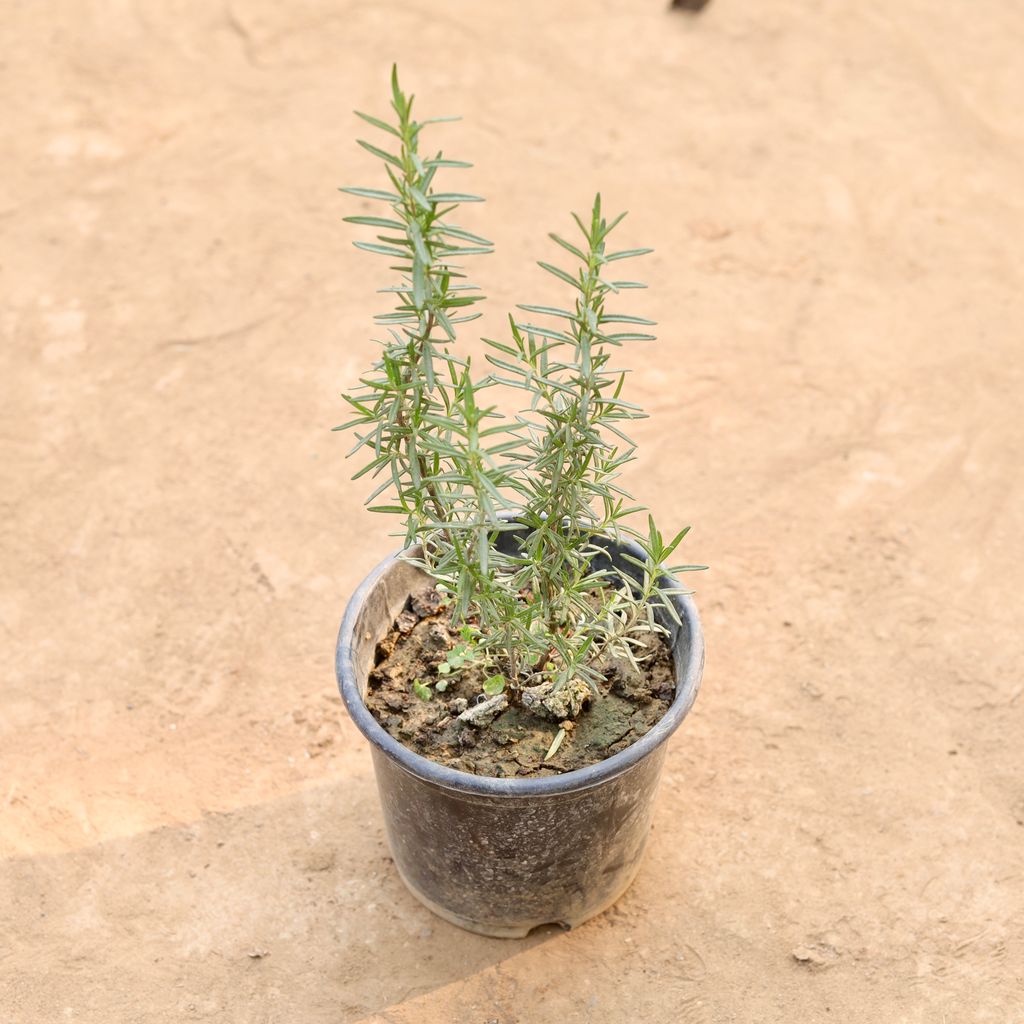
(189, 828)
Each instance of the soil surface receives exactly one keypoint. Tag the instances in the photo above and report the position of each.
(189, 824)
(516, 741)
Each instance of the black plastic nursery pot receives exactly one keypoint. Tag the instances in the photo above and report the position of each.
(500, 856)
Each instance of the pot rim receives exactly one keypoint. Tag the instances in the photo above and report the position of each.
(487, 785)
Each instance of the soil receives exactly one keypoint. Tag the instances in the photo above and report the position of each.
(189, 823)
(516, 742)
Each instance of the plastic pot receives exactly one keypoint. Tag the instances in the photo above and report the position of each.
(501, 856)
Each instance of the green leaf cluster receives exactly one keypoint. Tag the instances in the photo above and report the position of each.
(459, 474)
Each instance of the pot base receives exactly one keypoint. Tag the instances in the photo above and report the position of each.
(520, 931)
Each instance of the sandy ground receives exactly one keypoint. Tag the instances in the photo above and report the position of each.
(189, 829)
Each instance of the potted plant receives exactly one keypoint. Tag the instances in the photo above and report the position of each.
(520, 664)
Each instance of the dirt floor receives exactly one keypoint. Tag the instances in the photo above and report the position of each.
(189, 827)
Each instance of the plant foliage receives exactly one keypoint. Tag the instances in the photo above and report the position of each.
(539, 612)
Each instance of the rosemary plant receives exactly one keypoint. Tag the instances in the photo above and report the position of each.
(538, 613)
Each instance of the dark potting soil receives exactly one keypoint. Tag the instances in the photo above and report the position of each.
(515, 742)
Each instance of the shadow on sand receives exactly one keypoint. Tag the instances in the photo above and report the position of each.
(289, 910)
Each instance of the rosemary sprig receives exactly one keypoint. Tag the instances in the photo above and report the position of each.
(459, 474)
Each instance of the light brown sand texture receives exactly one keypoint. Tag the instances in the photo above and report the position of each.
(189, 829)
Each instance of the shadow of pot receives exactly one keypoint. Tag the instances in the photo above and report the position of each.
(502, 856)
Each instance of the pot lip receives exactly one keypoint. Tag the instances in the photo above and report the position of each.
(486, 785)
